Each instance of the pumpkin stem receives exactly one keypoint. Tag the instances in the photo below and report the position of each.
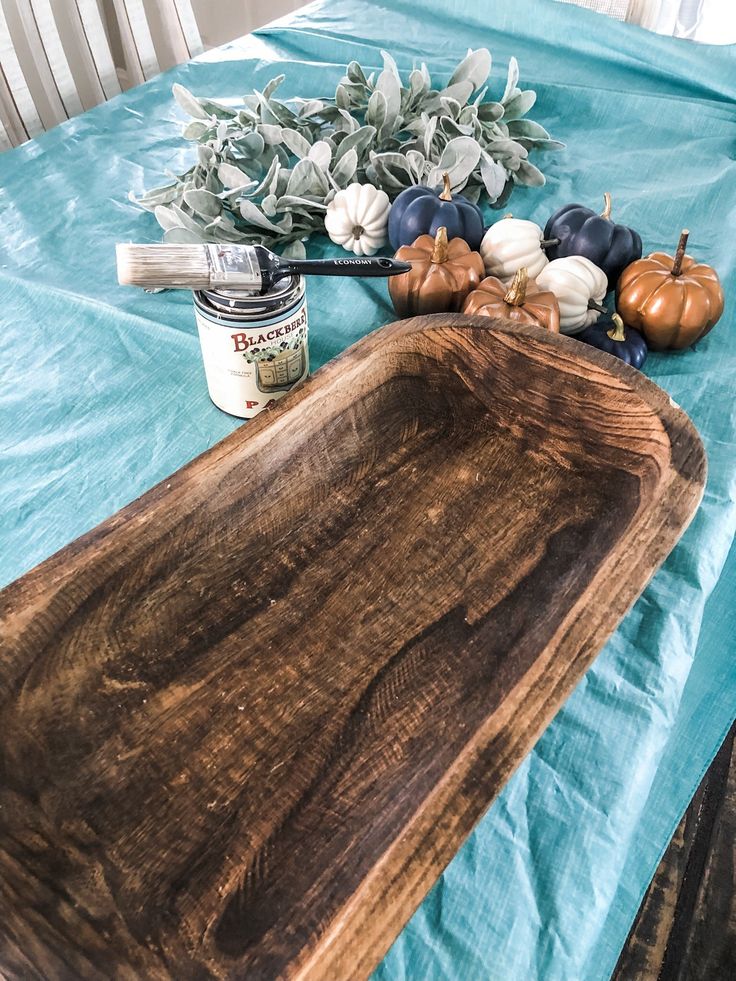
(508, 215)
(680, 253)
(547, 243)
(446, 190)
(517, 290)
(617, 334)
(594, 305)
(439, 252)
(606, 213)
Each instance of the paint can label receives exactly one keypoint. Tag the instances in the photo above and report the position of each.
(250, 365)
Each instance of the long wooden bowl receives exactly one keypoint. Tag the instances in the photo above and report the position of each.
(248, 720)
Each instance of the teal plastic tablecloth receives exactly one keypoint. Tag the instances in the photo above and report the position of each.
(103, 394)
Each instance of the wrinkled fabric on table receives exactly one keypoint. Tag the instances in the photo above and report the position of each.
(103, 395)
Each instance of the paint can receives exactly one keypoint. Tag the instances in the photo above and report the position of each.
(254, 346)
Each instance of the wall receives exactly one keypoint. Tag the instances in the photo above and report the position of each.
(223, 20)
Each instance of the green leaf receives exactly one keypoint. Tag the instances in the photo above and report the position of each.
(321, 154)
(389, 65)
(268, 116)
(251, 145)
(506, 148)
(527, 128)
(540, 144)
(512, 79)
(295, 142)
(489, 112)
(268, 184)
(377, 110)
(182, 236)
(272, 86)
(159, 195)
(166, 217)
(231, 176)
(289, 202)
(185, 220)
(188, 102)
(345, 168)
(355, 73)
(254, 216)
(271, 134)
(494, 177)
(196, 129)
(474, 68)
(529, 175)
(459, 92)
(203, 203)
(417, 84)
(213, 183)
(224, 233)
(359, 140)
(389, 86)
(472, 194)
(417, 164)
(429, 132)
(217, 110)
(311, 108)
(307, 178)
(519, 105)
(206, 156)
(459, 159)
(346, 123)
(294, 250)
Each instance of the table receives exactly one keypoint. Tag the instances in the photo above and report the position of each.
(103, 395)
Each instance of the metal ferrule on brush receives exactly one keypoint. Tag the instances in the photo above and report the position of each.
(234, 268)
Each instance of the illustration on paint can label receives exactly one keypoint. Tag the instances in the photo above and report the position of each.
(250, 364)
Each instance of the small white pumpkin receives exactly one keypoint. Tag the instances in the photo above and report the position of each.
(357, 218)
(575, 281)
(513, 244)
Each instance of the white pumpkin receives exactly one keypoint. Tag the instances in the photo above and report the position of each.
(575, 281)
(357, 218)
(512, 244)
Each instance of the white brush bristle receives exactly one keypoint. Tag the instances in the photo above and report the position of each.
(185, 266)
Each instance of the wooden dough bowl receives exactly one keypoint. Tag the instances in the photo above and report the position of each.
(248, 720)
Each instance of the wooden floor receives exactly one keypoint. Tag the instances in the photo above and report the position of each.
(686, 926)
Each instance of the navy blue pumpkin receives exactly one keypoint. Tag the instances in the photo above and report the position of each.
(575, 230)
(422, 211)
(609, 334)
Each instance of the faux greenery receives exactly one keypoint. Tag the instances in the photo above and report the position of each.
(267, 170)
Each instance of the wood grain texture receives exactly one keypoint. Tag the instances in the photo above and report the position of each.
(686, 927)
(249, 719)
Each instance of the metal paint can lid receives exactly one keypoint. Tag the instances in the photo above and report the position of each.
(240, 304)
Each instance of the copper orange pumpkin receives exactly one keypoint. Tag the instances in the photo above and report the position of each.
(522, 302)
(442, 275)
(672, 300)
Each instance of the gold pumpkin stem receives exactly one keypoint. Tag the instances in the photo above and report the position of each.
(517, 290)
(446, 190)
(606, 213)
(439, 252)
(617, 334)
(680, 253)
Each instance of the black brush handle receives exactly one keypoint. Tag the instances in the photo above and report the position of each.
(358, 266)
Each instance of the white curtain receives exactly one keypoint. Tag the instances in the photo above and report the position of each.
(707, 21)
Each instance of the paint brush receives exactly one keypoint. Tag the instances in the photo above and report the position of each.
(238, 267)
